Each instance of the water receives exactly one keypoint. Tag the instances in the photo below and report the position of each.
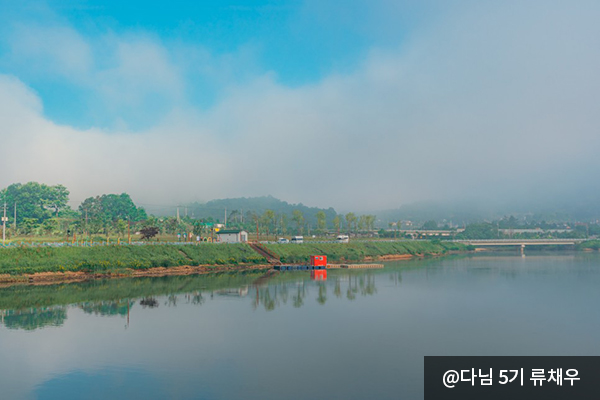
(359, 334)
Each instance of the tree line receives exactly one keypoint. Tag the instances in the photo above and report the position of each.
(37, 209)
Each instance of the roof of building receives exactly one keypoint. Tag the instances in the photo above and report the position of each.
(229, 231)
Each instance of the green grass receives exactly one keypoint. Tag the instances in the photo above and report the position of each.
(100, 259)
(357, 251)
(114, 259)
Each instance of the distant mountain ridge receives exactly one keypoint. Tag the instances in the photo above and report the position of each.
(236, 207)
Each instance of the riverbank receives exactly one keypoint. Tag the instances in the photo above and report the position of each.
(76, 264)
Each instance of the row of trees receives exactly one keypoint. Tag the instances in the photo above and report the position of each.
(35, 208)
(279, 223)
(39, 209)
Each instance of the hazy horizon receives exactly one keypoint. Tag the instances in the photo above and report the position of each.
(357, 106)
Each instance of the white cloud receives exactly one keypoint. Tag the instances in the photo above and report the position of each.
(50, 49)
(484, 103)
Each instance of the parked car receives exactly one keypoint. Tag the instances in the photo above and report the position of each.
(282, 240)
(297, 239)
(343, 239)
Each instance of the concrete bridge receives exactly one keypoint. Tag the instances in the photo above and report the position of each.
(521, 242)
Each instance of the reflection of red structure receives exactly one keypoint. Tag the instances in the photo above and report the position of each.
(318, 275)
(318, 261)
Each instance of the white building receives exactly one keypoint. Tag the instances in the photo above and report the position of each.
(232, 236)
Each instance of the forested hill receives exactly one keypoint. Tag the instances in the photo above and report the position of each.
(247, 206)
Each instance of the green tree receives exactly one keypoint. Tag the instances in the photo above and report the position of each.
(362, 222)
(350, 220)
(28, 226)
(298, 218)
(370, 221)
(102, 213)
(430, 225)
(483, 230)
(337, 222)
(34, 200)
(321, 222)
(267, 219)
(50, 226)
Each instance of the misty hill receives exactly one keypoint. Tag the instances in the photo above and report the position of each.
(582, 209)
(246, 206)
(454, 214)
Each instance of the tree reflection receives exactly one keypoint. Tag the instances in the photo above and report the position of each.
(274, 294)
(322, 294)
(171, 300)
(149, 302)
(338, 289)
(396, 277)
(107, 308)
(270, 291)
(299, 297)
(197, 298)
(34, 318)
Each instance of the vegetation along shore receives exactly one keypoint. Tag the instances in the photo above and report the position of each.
(23, 264)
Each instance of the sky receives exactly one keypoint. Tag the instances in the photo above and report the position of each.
(358, 105)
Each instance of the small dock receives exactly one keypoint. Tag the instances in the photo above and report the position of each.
(355, 266)
(297, 267)
(329, 266)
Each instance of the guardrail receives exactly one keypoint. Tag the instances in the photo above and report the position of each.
(139, 243)
(99, 243)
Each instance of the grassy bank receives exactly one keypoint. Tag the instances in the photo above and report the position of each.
(106, 259)
(588, 245)
(358, 251)
(16, 261)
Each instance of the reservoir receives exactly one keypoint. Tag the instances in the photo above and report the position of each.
(358, 334)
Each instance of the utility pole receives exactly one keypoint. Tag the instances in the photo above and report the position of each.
(4, 219)
(15, 220)
(177, 214)
(225, 217)
(128, 231)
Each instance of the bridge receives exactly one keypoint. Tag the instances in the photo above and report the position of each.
(520, 242)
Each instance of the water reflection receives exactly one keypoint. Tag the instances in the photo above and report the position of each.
(268, 291)
(250, 335)
(34, 318)
(107, 308)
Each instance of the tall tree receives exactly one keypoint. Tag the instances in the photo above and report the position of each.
(350, 220)
(34, 200)
(321, 223)
(267, 218)
(298, 218)
(102, 213)
(337, 223)
(370, 221)
(362, 222)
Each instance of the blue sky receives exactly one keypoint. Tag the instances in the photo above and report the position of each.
(378, 103)
(297, 42)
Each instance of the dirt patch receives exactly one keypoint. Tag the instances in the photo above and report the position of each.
(395, 257)
(49, 278)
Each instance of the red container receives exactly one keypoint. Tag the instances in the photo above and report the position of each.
(318, 261)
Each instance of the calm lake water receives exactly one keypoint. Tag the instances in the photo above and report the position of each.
(357, 335)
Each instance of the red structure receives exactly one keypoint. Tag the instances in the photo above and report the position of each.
(318, 261)
(318, 275)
